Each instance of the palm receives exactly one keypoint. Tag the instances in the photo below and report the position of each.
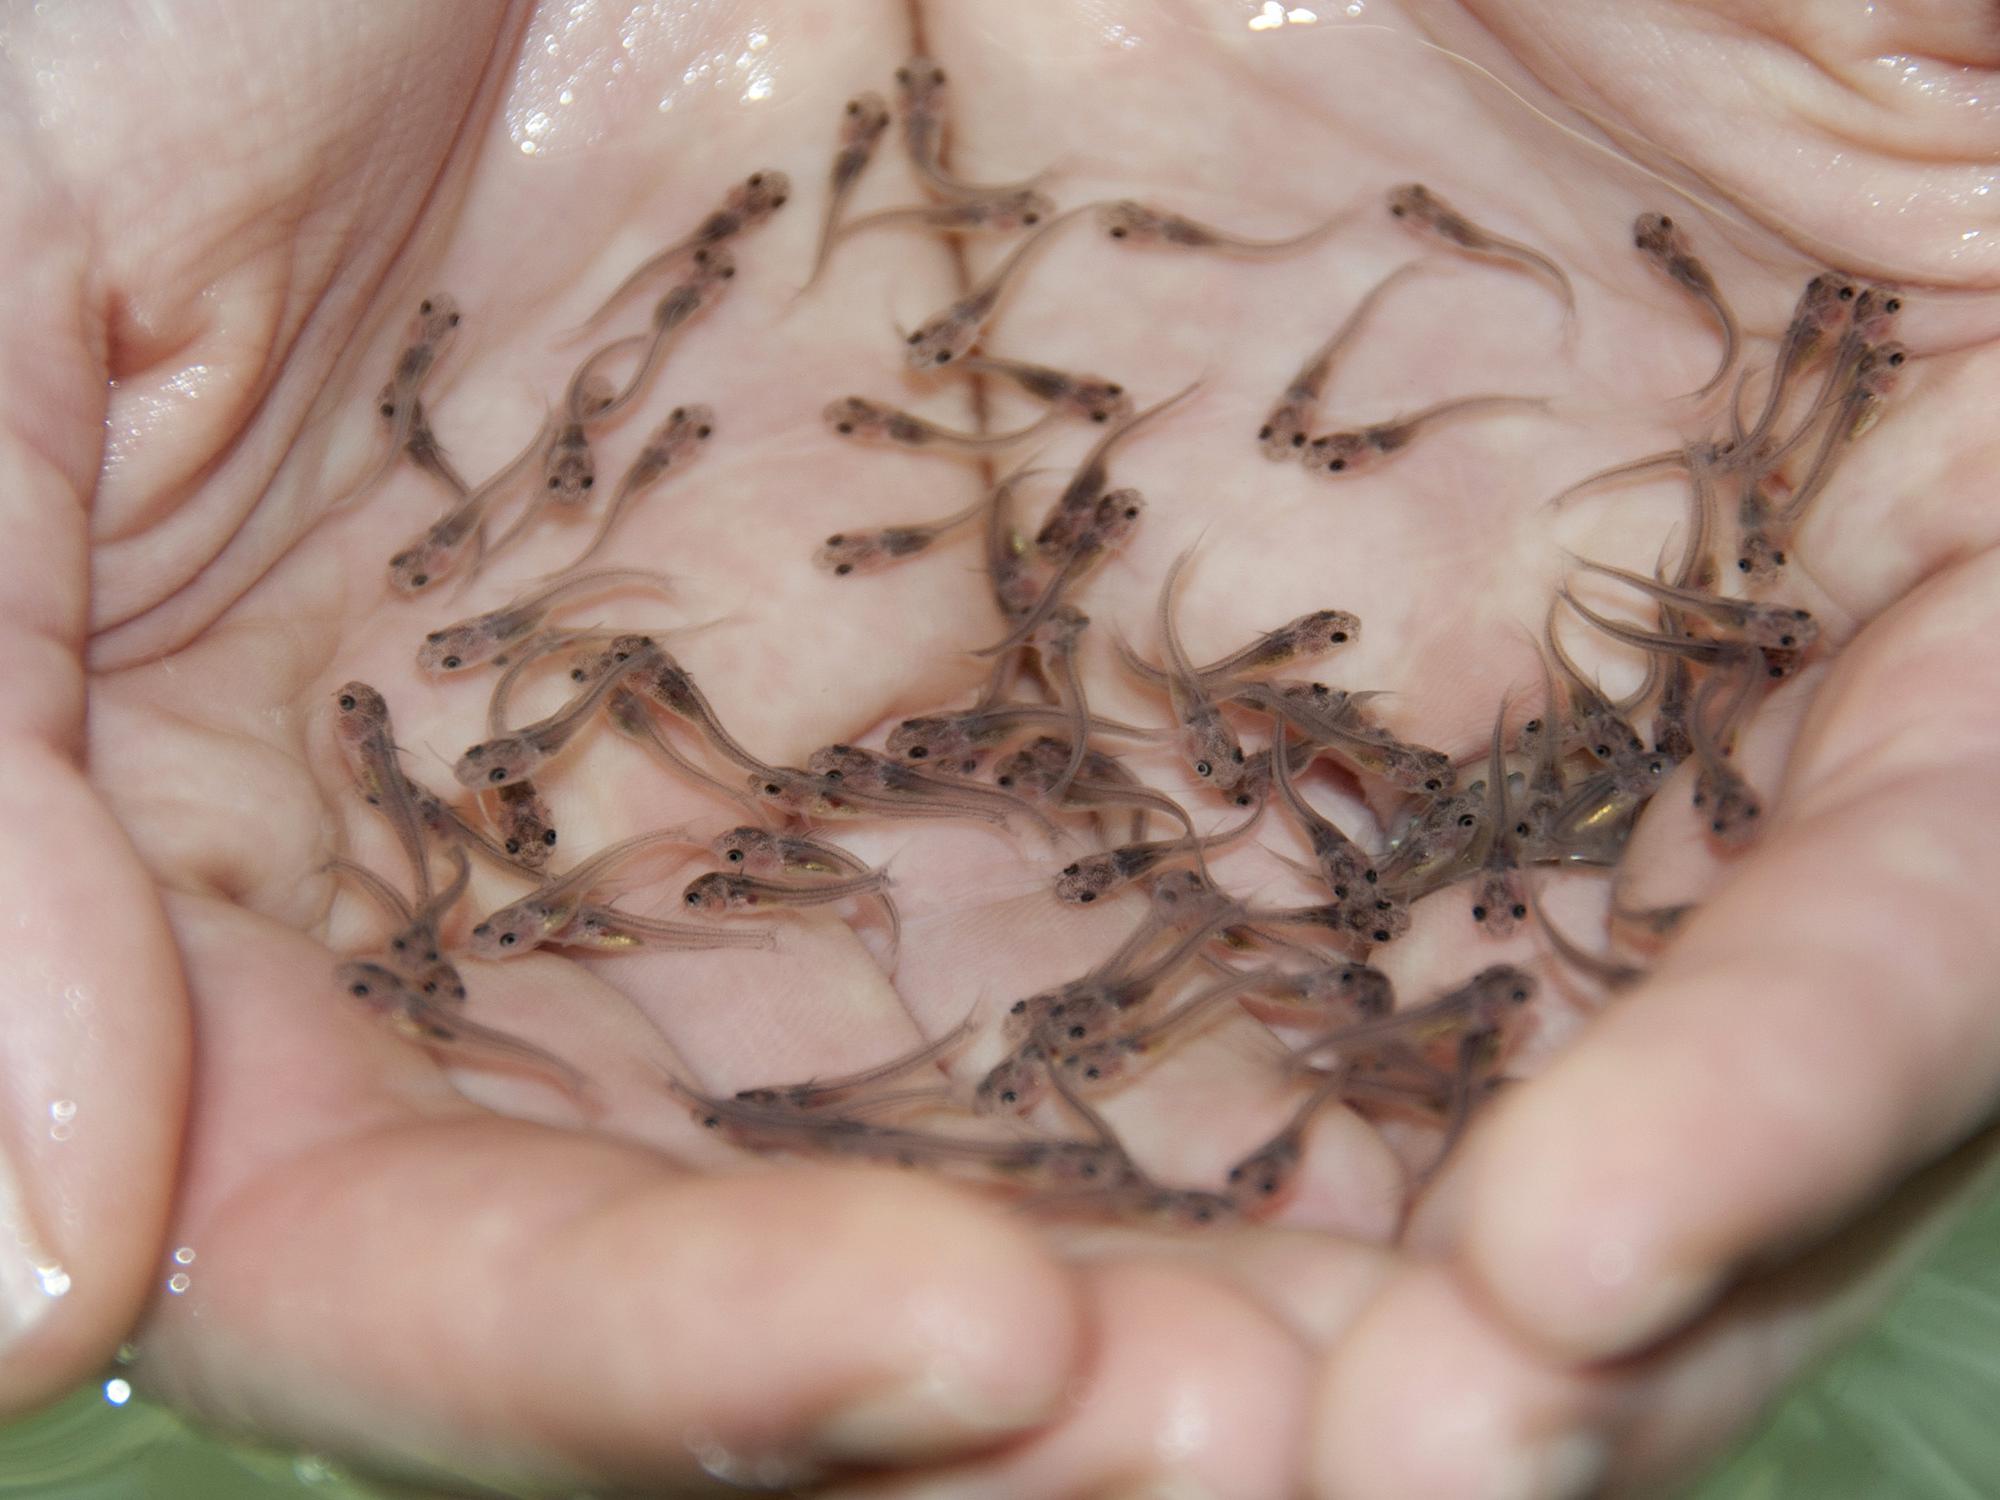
(325, 1154)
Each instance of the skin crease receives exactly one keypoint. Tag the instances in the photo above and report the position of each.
(240, 266)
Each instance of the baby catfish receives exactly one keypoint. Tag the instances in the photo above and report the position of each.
(846, 552)
(1284, 431)
(1002, 213)
(1077, 505)
(709, 273)
(863, 120)
(484, 638)
(746, 205)
(446, 1032)
(368, 744)
(1665, 244)
(947, 335)
(921, 97)
(857, 416)
(430, 335)
(1429, 215)
(460, 533)
(1360, 449)
(1091, 397)
(509, 757)
(1138, 223)
(670, 447)
(524, 925)
(1822, 310)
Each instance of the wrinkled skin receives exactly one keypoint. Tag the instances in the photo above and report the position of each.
(230, 224)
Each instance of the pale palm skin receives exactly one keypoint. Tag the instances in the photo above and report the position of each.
(386, 1271)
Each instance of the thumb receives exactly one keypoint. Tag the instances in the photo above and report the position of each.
(93, 1021)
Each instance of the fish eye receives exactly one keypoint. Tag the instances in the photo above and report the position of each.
(554, 483)
(498, 773)
(693, 898)
(771, 789)
(347, 701)
(451, 320)
(1778, 558)
(1264, 431)
(1008, 1096)
(1100, 416)
(1237, 755)
(549, 837)
(915, 338)
(508, 939)
(359, 989)
(1380, 934)
(1336, 465)
(1895, 359)
(944, 356)
(1522, 829)
(1397, 210)
(1003, 780)
(843, 427)
(703, 431)
(513, 846)
(1466, 820)
(1518, 910)
(589, 480)
(1665, 222)
(1131, 512)
(450, 663)
(1338, 637)
(1433, 785)
(1846, 294)
(1031, 218)
(918, 752)
(1203, 768)
(388, 408)
(1479, 914)
(1894, 304)
(1743, 564)
(843, 570)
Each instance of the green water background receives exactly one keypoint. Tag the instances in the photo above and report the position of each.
(1909, 1411)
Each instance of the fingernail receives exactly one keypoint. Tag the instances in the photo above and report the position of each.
(1564, 1468)
(931, 1417)
(32, 1280)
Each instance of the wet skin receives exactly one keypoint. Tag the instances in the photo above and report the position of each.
(241, 269)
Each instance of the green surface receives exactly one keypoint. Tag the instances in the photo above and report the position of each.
(1911, 1410)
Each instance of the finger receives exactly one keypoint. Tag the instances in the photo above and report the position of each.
(461, 1293)
(92, 1092)
(1191, 1391)
(1429, 1396)
(1313, 1283)
(1824, 1023)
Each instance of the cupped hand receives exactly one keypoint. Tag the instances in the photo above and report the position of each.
(216, 231)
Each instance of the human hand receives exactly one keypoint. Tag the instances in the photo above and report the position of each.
(384, 1270)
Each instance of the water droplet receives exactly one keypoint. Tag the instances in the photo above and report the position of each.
(117, 1391)
(566, 97)
(184, 1256)
(52, 1279)
(528, 148)
(178, 1283)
